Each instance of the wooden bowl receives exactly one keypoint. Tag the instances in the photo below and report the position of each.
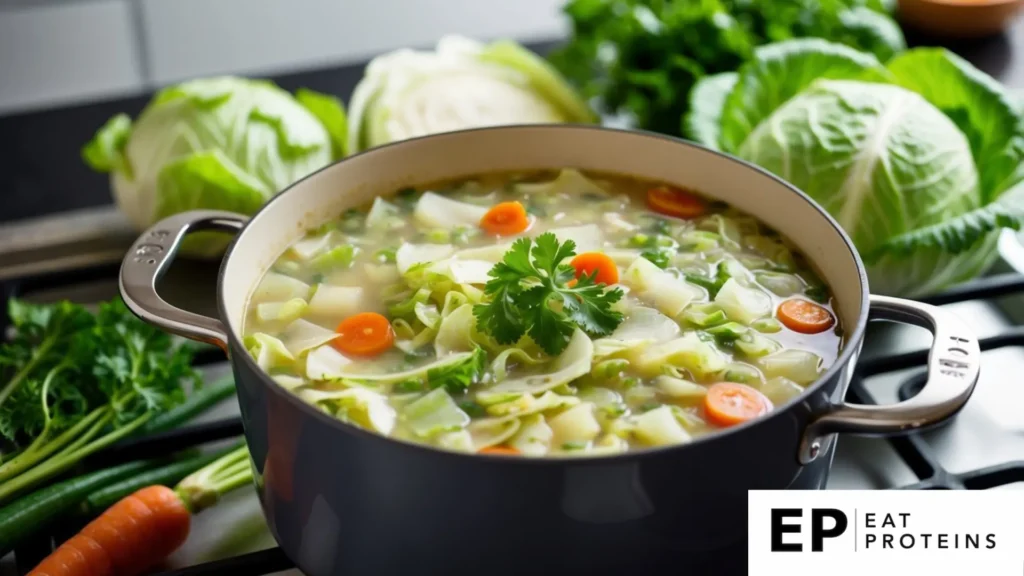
(959, 18)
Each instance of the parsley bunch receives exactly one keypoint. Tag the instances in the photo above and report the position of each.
(530, 294)
(76, 382)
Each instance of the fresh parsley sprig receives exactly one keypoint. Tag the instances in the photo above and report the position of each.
(530, 294)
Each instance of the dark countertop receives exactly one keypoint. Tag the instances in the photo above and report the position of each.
(42, 171)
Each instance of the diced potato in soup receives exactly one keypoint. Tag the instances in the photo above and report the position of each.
(553, 313)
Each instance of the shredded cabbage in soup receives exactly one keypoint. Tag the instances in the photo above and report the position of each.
(547, 314)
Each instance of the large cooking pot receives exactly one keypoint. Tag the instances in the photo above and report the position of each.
(343, 501)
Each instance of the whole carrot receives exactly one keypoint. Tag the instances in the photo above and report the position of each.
(141, 530)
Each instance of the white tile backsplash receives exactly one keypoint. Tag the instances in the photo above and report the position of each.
(60, 53)
(190, 38)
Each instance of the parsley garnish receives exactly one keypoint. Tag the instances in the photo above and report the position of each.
(530, 296)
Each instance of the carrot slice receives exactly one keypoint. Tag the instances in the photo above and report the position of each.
(365, 334)
(505, 450)
(728, 403)
(590, 262)
(505, 219)
(804, 316)
(127, 540)
(674, 202)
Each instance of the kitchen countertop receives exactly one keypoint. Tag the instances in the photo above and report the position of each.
(42, 171)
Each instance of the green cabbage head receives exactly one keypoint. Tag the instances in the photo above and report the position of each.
(919, 160)
(461, 84)
(222, 143)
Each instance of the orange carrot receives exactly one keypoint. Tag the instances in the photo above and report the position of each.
(365, 334)
(674, 202)
(142, 529)
(728, 403)
(505, 219)
(129, 538)
(502, 450)
(804, 316)
(590, 262)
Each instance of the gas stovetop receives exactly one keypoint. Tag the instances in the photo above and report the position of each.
(54, 258)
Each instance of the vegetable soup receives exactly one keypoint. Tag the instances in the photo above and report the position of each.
(552, 313)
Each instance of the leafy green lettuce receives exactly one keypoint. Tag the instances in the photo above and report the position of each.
(919, 159)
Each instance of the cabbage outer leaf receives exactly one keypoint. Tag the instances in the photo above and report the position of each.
(461, 84)
(979, 105)
(878, 157)
(780, 71)
(707, 100)
(331, 113)
(222, 142)
(105, 152)
(922, 179)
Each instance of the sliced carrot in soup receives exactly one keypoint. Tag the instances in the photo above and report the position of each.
(728, 404)
(675, 202)
(804, 316)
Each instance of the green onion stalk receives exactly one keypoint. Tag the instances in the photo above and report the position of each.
(205, 487)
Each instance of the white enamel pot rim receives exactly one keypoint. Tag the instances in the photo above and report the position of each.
(953, 363)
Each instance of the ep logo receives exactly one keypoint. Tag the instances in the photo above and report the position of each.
(824, 523)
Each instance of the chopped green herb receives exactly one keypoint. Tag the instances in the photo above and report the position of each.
(473, 409)
(317, 278)
(526, 283)
(712, 285)
(640, 241)
(457, 378)
(817, 293)
(409, 386)
(576, 445)
(660, 258)
(648, 406)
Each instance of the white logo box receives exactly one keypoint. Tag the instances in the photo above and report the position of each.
(897, 532)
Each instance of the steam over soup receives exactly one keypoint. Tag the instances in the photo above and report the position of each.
(546, 314)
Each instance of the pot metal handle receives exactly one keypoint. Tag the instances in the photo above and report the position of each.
(148, 260)
(954, 365)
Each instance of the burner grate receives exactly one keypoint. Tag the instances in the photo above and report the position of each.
(913, 449)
